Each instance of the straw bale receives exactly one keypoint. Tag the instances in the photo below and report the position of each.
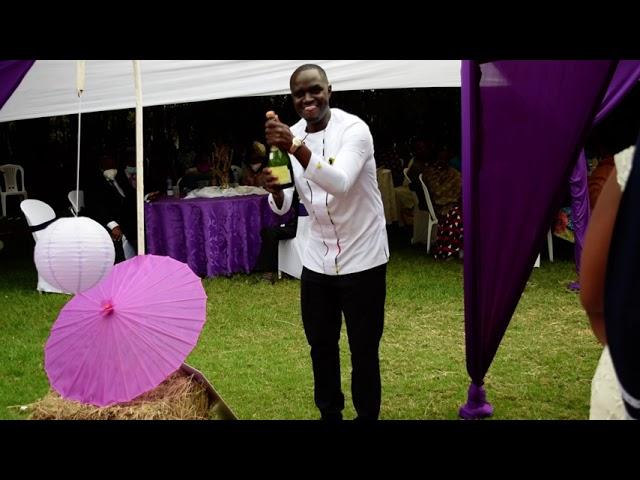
(179, 397)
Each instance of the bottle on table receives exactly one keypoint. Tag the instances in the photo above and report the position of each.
(169, 187)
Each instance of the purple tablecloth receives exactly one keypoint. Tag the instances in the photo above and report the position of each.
(214, 236)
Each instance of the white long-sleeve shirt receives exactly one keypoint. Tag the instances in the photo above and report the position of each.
(340, 191)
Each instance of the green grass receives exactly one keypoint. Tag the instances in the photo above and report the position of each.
(254, 352)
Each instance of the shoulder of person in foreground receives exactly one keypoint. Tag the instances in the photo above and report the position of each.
(595, 253)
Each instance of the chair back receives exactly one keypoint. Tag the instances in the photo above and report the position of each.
(406, 175)
(10, 173)
(432, 212)
(432, 223)
(73, 194)
(36, 212)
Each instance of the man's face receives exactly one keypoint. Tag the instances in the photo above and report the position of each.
(421, 148)
(108, 163)
(311, 93)
(255, 161)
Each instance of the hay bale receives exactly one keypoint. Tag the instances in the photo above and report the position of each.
(179, 397)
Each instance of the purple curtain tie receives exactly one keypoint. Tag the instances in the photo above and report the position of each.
(477, 406)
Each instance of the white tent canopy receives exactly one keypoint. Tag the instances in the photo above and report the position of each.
(49, 88)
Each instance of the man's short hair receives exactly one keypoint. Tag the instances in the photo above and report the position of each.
(309, 66)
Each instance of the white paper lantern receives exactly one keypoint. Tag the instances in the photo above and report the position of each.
(74, 253)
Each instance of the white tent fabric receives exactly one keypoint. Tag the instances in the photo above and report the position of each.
(48, 89)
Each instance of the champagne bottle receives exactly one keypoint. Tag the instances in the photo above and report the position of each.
(279, 162)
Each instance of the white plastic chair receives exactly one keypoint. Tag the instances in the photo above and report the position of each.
(10, 173)
(423, 220)
(549, 246)
(432, 221)
(72, 200)
(290, 251)
(420, 217)
(38, 213)
(406, 175)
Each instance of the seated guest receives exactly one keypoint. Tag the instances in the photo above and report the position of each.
(444, 183)
(390, 159)
(406, 200)
(198, 176)
(130, 172)
(449, 240)
(423, 154)
(203, 163)
(111, 201)
(599, 176)
(130, 168)
(255, 162)
(445, 189)
(563, 225)
(456, 162)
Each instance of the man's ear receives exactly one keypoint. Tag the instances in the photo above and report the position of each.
(329, 89)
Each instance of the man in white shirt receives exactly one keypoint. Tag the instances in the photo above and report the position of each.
(347, 252)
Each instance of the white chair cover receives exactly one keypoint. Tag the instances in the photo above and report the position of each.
(36, 213)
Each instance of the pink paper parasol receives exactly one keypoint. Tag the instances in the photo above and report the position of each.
(128, 333)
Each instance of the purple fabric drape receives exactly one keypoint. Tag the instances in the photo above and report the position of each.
(214, 236)
(625, 77)
(580, 207)
(523, 123)
(11, 74)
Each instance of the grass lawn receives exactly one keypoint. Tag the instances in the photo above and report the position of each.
(254, 352)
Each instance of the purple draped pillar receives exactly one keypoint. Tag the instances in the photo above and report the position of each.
(11, 74)
(580, 208)
(523, 125)
(624, 79)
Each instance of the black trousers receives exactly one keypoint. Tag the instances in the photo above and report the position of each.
(360, 296)
(268, 258)
(119, 248)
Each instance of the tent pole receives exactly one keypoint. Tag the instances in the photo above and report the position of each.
(139, 158)
(80, 80)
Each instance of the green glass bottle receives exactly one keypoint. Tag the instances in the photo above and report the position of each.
(279, 163)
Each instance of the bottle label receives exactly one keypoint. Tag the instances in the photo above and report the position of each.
(282, 174)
